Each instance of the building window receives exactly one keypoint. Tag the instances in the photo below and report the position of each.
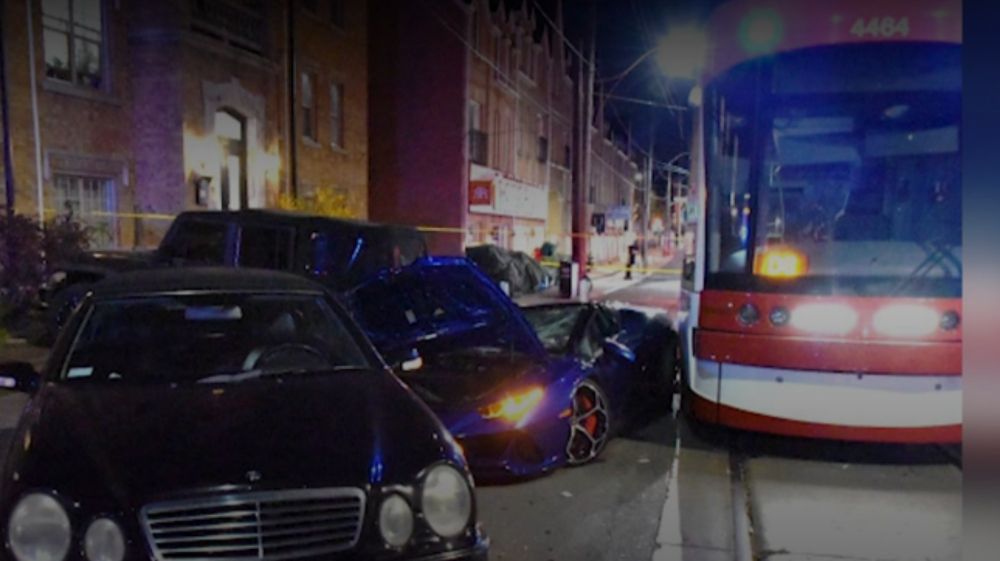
(338, 13)
(477, 137)
(337, 115)
(239, 23)
(73, 36)
(475, 31)
(474, 113)
(308, 106)
(89, 200)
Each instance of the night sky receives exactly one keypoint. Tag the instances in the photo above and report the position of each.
(626, 29)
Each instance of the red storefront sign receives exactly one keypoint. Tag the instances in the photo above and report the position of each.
(481, 192)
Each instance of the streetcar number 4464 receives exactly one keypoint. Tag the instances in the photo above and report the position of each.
(883, 27)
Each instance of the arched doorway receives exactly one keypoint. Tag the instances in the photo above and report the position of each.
(231, 130)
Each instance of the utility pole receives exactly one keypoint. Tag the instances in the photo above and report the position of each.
(8, 150)
(648, 197)
(581, 173)
(292, 80)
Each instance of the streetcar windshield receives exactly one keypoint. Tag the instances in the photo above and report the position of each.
(842, 166)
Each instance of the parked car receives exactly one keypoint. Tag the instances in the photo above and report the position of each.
(522, 274)
(216, 414)
(336, 252)
(523, 391)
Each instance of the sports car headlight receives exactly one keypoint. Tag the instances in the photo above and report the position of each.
(514, 407)
(446, 500)
(104, 541)
(395, 521)
(39, 529)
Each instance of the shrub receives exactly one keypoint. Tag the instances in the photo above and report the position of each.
(28, 252)
(21, 267)
(323, 202)
(64, 239)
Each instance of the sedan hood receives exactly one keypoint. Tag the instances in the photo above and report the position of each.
(140, 443)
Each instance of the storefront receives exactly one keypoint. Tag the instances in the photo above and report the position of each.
(505, 212)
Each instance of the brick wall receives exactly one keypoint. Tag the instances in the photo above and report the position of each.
(419, 168)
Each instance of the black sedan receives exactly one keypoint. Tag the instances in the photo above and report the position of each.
(236, 415)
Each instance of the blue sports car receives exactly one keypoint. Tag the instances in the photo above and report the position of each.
(522, 390)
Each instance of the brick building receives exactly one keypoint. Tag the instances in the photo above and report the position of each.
(145, 109)
(612, 201)
(501, 172)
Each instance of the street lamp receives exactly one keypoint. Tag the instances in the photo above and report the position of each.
(681, 52)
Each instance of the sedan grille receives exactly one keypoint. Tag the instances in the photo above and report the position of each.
(270, 525)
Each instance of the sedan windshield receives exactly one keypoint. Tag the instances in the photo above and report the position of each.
(210, 338)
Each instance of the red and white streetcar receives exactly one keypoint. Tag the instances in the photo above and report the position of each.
(822, 286)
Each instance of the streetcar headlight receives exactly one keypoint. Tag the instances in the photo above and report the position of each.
(104, 541)
(39, 529)
(446, 500)
(395, 521)
(906, 320)
(824, 318)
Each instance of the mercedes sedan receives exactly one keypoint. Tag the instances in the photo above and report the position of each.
(226, 415)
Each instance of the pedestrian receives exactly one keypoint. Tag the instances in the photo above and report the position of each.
(633, 251)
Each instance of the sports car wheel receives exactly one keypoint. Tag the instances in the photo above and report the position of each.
(590, 424)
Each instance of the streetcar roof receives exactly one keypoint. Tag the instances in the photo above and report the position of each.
(745, 29)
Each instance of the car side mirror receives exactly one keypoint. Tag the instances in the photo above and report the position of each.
(19, 377)
(616, 349)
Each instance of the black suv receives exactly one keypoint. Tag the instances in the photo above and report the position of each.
(336, 252)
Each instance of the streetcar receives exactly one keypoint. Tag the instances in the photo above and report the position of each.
(822, 279)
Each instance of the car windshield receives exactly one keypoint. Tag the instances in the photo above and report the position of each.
(554, 325)
(210, 338)
(846, 156)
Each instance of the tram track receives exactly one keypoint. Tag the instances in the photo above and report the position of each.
(746, 535)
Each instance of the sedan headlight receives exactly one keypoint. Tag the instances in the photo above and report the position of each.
(104, 541)
(39, 529)
(446, 500)
(395, 521)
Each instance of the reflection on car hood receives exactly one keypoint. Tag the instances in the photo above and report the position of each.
(138, 443)
(453, 380)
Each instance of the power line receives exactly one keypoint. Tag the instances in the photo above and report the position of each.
(647, 102)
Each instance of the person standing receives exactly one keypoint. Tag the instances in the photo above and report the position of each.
(633, 252)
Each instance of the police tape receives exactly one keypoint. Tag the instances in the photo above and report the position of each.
(427, 229)
(621, 268)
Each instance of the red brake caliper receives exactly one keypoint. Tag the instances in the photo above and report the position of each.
(590, 423)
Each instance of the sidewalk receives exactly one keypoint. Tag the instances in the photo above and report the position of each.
(606, 280)
(12, 403)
